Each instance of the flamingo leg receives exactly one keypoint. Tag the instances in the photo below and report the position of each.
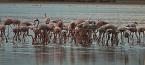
(8, 32)
(108, 37)
(14, 36)
(121, 38)
(139, 40)
(5, 36)
(132, 39)
(137, 36)
(103, 39)
(143, 37)
(112, 40)
(99, 37)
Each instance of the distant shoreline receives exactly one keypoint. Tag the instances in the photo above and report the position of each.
(38, 2)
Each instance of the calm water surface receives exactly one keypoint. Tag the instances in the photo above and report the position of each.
(26, 54)
(109, 12)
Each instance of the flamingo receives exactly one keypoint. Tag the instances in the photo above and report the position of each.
(100, 23)
(71, 30)
(127, 35)
(20, 30)
(102, 30)
(133, 30)
(83, 34)
(43, 28)
(2, 29)
(108, 32)
(121, 30)
(8, 22)
(134, 24)
(140, 30)
(77, 36)
(46, 19)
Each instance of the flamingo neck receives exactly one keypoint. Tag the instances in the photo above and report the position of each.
(37, 22)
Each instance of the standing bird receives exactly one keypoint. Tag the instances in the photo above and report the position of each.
(133, 31)
(16, 22)
(100, 23)
(108, 33)
(134, 24)
(7, 23)
(20, 30)
(101, 35)
(27, 23)
(121, 30)
(64, 36)
(47, 20)
(78, 21)
(44, 33)
(2, 29)
(102, 30)
(127, 35)
(38, 22)
(140, 30)
(43, 28)
(71, 30)
(57, 34)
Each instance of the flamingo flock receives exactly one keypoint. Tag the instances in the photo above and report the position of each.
(79, 32)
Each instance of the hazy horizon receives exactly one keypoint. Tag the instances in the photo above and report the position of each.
(77, 1)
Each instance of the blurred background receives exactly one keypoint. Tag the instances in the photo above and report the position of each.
(93, 1)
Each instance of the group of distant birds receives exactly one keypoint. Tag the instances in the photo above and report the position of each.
(78, 32)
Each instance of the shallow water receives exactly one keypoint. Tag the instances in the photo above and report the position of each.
(45, 55)
(26, 54)
(68, 12)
